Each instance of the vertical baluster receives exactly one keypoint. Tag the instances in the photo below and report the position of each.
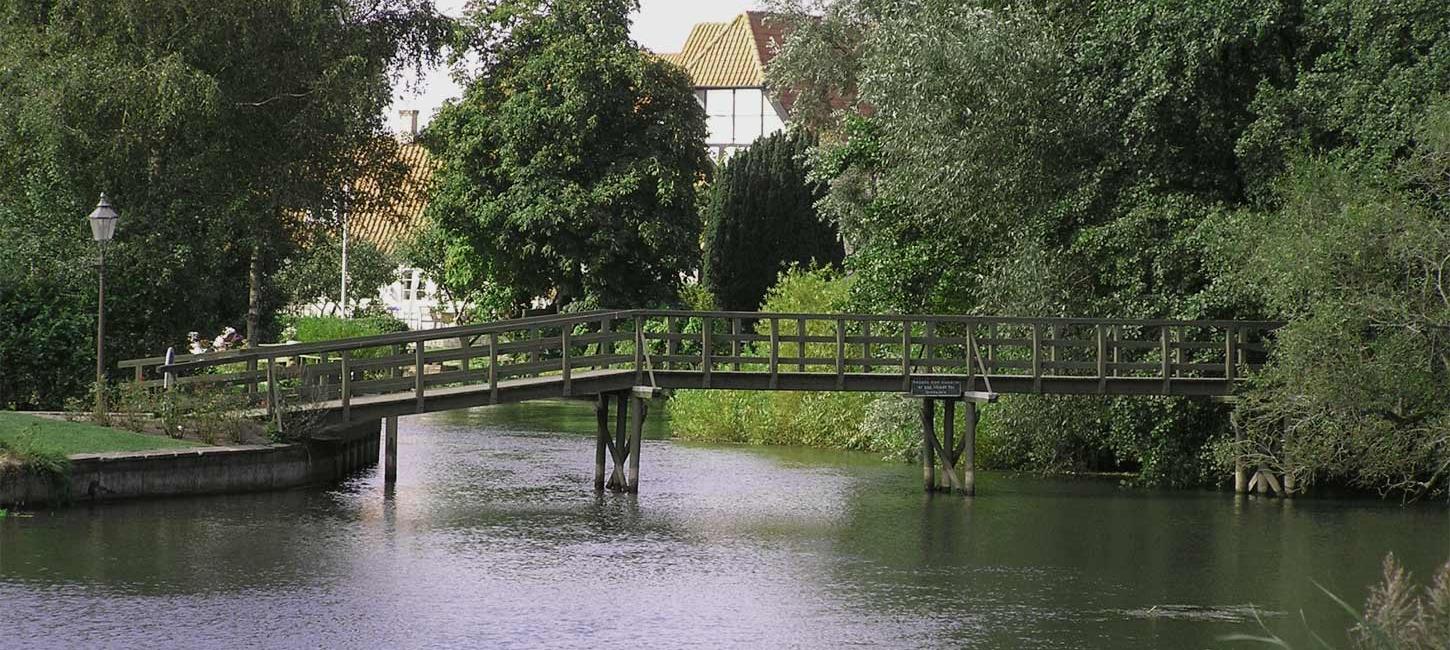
(705, 363)
(418, 376)
(1037, 357)
(774, 352)
(800, 331)
(735, 342)
(346, 367)
(565, 360)
(865, 346)
(840, 354)
(493, 367)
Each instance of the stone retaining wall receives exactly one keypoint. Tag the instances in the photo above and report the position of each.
(201, 470)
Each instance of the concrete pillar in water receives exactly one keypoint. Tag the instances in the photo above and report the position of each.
(1241, 474)
(390, 449)
(928, 433)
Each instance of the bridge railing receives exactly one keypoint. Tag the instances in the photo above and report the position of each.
(1039, 348)
(562, 347)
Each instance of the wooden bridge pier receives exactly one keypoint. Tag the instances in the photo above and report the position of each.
(957, 459)
(622, 445)
(390, 449)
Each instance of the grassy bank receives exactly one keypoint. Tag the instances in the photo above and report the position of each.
(26, 434)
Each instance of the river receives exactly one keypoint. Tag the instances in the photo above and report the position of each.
(494, 538)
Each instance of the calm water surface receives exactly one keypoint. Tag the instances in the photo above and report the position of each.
(494, 537)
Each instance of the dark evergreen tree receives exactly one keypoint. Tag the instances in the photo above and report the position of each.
(761, 218)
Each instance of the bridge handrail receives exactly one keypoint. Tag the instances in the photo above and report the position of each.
(962, 318)
(194, 361)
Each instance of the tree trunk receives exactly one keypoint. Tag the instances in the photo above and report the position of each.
(254, 295)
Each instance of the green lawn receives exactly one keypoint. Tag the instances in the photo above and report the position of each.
(47, 436)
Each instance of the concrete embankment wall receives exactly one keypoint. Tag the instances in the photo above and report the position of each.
(203, 470)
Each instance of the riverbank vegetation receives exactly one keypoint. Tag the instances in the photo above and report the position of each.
(1151, 160)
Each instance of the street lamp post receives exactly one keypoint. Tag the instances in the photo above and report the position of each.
(103, 227)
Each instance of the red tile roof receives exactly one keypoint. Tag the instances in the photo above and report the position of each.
(730, 55)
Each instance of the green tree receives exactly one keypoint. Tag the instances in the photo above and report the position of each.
(1060, 158)
(568, 170)
(316, 271)
(212, 126)
(760, 219)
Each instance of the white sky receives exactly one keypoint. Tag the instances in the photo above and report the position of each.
(660, 25)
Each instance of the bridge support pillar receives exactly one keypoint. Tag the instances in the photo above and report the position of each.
(621, 446)
(956, 454)
(928, 438)
(969, 451)
(390, 449)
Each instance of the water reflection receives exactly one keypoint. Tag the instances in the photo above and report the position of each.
(494, 537)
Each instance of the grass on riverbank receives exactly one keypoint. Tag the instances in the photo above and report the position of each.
(22, 434)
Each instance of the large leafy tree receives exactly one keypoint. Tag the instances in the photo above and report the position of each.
(760, 219)
(568, 170)
(215, 127)
(1124, 159)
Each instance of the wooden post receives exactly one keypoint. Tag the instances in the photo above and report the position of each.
(905, 355)
(969, 451)
(1167, 360)
(840, 354)
(1241, 475)
(636, 425)
(273, 411)
(418, 375)
(564, 362)
(705, 352)
(949, 442)
(774, 352)
(928, 453)
(390, 449)
(638, 349)
(1102, 359)
(672, 347)
(346, 386)
(1228, 356)
(1037, 357)
(735, 342)
(800, 332)
(866, 346)
(601, 438)
(606, 346)
(493, 367)
(621, 441)
(928, 348)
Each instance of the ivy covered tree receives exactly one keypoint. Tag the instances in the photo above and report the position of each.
(761, 218)
(568, 169)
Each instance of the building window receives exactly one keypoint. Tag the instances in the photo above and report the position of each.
(748, 115)
(719, 112)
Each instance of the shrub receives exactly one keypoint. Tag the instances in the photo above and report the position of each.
(761, 218)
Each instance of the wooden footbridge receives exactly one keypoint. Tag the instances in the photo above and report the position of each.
(629, 357)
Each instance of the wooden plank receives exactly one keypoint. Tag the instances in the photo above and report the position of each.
(840, 353)
(671, 342)
(905, 355)
(1228, 354)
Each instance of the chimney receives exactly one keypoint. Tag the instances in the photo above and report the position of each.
(407, 125)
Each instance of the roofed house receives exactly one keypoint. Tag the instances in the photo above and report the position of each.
(727, 63)
(387, 221)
